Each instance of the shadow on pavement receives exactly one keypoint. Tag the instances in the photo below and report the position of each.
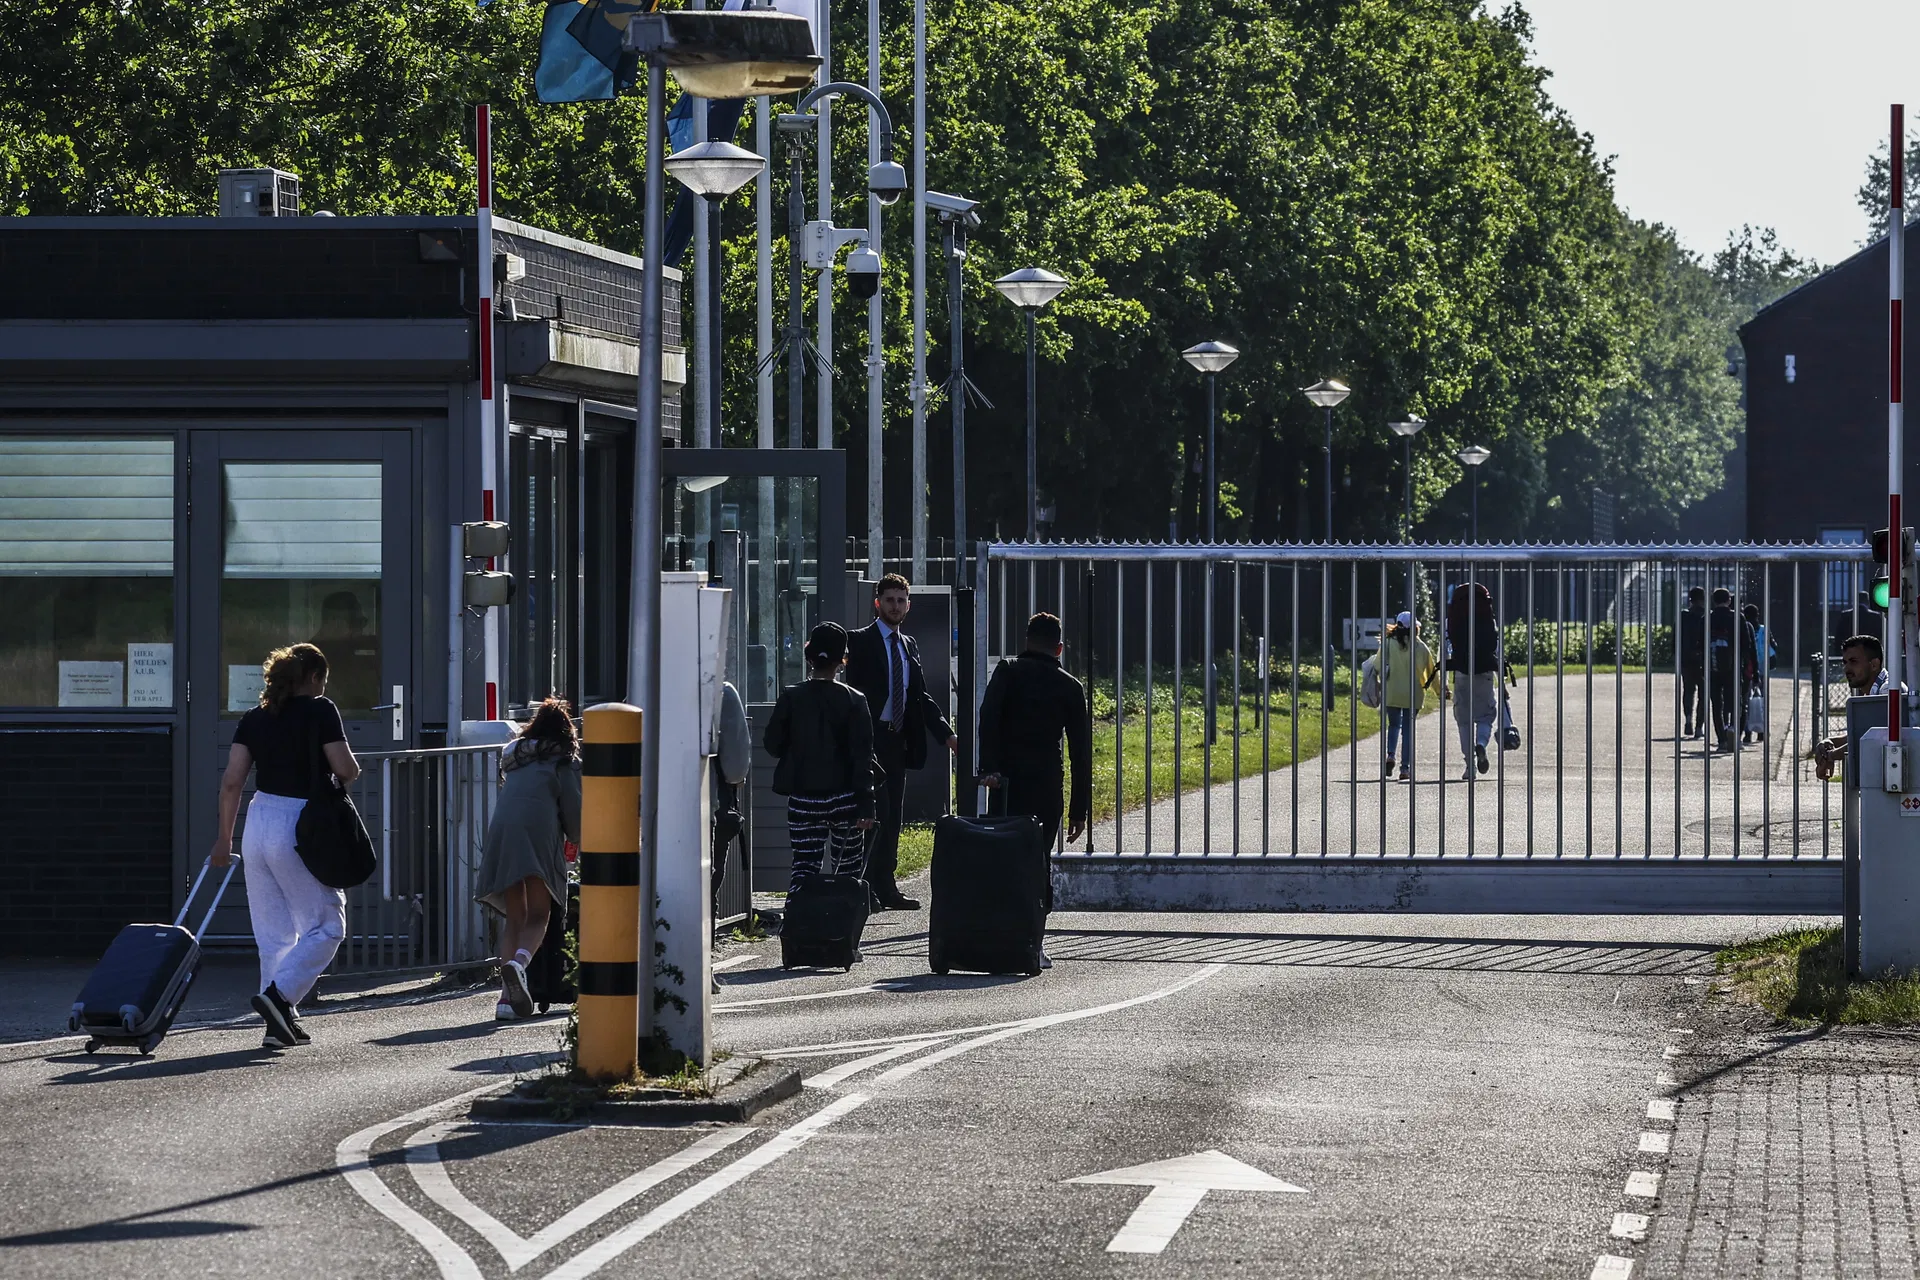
(104, 1069)
(444, 1035)
(113, 1232)
(1361, 951)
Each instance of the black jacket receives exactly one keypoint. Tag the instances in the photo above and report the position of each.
(1730, 643)
(1030, 705)
(867, 672)
(1693, 639)
(823, 737)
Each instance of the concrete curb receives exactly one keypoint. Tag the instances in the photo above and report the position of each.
(750, 1087)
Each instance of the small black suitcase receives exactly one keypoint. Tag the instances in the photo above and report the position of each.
(550, 978)
(824, 920)
(989, 895)
(137, 989)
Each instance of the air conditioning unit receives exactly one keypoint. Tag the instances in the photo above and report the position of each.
(259, 193)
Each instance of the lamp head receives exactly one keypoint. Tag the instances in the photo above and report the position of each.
(714, 168)
(1473, 455)
(1030, 287)
(1411, 427)
(1327, 392)
(1210, 356)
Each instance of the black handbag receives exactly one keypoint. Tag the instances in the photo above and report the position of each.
(329, 836)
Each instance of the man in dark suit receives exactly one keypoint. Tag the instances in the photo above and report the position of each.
(884, 664)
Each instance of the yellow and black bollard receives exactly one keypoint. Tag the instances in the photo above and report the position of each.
(609, 974)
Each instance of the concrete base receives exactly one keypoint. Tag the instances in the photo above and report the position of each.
(1889, 864)
(1481, 886)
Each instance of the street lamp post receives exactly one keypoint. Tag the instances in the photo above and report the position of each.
(1473, 455)
(1031, 288)
(1327, 393)
(1407, 431)
(1211, 358)
(713, 54)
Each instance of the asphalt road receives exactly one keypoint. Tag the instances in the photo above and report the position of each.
(1450, 1096)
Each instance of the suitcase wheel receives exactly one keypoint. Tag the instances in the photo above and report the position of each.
(148, 1045)
(543, 1006)
(92, 1045)
(940, 969)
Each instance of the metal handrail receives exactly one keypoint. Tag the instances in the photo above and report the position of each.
(1452, 552)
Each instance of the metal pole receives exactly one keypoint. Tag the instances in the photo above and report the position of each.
(1213, 505)
(763, 271)
(823, 210)
(876, 334)
(1326, 450)
(1406, 532)
(957, 391)
(796, 299)
(643, 661)
(489, 426)
(919, 390)
(1033, 447)
(1896, 640)
(1476, 506)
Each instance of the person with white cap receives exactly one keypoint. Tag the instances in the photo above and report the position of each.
(1408, 667)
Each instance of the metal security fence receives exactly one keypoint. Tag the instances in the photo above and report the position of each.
(427, 812)
(1228, 723)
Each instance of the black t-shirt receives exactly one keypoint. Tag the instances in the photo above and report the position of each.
(282, 743)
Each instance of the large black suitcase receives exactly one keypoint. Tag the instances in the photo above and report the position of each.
(824, 920)
(137, 989)
(550, 979)
(989, 895)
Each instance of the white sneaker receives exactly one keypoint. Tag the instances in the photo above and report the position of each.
(1045, 962)
(503, 1012)
(513, 982)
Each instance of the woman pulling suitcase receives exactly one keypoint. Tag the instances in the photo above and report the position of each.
(822, 735)
(290, 742)
(523, 866)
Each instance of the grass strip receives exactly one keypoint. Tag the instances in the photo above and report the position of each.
(1797, 976)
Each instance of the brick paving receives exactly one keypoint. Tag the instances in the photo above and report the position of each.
(1794, 1154)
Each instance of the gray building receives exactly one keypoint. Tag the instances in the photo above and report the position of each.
(220, 435)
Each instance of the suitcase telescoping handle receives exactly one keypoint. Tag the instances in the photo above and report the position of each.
(213, 906)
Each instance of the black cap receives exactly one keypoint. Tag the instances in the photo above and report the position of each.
(827, 643)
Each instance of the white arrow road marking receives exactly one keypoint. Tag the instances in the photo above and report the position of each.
(423, 1161)
(351, 1159)
(600, 1253)
(1178, 1188)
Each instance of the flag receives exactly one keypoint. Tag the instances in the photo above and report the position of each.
(581, 58)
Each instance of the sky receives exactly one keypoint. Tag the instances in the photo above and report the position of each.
(1723, 112)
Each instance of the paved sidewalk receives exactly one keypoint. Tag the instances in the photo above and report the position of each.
(1793, 1154)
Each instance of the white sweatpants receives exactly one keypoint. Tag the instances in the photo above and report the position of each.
(297, 921)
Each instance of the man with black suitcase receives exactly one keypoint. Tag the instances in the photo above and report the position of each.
(1030, 705)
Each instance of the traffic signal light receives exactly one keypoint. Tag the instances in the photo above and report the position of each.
(1882, 591)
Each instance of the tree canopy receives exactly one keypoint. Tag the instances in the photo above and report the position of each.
(1377, 190)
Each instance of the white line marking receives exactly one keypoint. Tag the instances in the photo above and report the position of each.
(906, 1069)
(1608, 1267)
(732, 962)
(1151, 1226)
(351, 1159)
(867, 990)
(828, 1079)
(600, 1253)
(1660, 1109)
(1643, 1184)
(1655, 1144)
(1665, 1081)
(423, 1161)
(1630, 1226)
(846, 1046)
(1669, 1053)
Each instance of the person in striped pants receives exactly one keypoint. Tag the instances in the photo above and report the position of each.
(822, 735)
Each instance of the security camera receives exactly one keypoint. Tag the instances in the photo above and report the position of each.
(887, 181)
(863, 273)
(954, 207)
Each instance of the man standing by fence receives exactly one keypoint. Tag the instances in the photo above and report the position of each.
(1693, 663)
(884, 664)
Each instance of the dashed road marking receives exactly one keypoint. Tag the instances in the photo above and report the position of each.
(1660, 1109)
(1655, 1144)
(1644, 1185)
(1608, 1267)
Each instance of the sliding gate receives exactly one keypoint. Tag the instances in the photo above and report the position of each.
(1236, 765)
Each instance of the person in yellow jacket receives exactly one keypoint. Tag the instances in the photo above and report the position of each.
(1407, 668)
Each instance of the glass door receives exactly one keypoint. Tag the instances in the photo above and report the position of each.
(296, 536)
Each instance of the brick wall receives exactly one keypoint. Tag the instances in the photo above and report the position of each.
(88, 843)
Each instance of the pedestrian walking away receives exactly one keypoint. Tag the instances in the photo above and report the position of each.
(1408, 669)
(822, 735)
(883, 663)
(1031, 706)
(523, 863)
(298, 922)
(1693, 664)
(1754, 724)
(1730, 668)
(1470, 625)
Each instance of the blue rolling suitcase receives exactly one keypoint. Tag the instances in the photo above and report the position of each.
(137, 989)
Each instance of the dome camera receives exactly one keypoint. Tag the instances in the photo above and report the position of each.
(863, 273)
(887, 181)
